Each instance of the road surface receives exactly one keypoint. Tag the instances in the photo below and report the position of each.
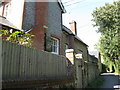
(111, 80)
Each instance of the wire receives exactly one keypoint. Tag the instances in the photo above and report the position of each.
(68, 1)
(86, 25)
(74, 3)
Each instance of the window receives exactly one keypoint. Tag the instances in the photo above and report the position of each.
(1, 9)
(66, 47)
(7, 9)
(79, 54)
(55, 46)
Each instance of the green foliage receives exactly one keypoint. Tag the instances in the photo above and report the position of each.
(19, 37)
(97, 83)
(107, 19)
(104, 68)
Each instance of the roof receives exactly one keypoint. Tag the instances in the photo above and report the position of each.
(95, 53)
(93, 58)
(80, 40)
(64, 28)
(5, 22)
(61, 6)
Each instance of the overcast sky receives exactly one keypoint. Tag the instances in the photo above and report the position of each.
(80, 11)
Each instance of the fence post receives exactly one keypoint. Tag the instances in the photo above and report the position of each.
(70, 55)
(79, 73)
(99, 63)
(0, 60)
(76, 60)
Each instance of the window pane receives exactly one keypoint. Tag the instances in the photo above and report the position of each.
(7, 9)
(66, 46)
(55, 45)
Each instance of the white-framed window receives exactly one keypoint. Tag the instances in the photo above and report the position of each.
(1, 9)
(55, 46)
(7, 9)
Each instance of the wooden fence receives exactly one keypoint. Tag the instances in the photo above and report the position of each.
(23, 63)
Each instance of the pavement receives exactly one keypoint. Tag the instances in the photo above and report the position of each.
(111, 82)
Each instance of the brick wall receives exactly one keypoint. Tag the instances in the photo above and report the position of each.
(38, 14)
(67, 39)
(35, 17)
(93, 71)
(79, 46)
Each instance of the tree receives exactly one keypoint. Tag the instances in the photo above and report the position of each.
(107, 19)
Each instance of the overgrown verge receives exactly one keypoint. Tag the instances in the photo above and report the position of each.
(97, 83)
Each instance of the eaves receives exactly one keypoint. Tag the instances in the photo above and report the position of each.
(61, 6)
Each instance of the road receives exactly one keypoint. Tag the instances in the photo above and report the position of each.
(110, 80)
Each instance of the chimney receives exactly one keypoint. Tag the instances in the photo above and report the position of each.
(73, 27)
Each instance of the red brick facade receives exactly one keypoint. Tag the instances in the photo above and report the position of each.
(40, 20)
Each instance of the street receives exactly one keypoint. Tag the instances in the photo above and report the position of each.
(111, 80)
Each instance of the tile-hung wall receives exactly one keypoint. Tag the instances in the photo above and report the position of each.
(29, 16)
(54, 23)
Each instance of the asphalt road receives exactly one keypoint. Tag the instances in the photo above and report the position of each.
(110, 80)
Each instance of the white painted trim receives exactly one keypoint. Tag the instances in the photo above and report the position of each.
(57, 45)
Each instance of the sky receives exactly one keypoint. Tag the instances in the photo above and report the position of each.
(81, 12)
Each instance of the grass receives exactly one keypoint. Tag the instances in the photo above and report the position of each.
(97, 83)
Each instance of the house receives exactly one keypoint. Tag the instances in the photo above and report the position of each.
(43, 19)
(12, 10)
(72, 41)
(6, 25)
(44, 15)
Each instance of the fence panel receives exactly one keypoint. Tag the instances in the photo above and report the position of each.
(21, 62)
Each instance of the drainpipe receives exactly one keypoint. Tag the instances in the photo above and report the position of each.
(45, 35)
